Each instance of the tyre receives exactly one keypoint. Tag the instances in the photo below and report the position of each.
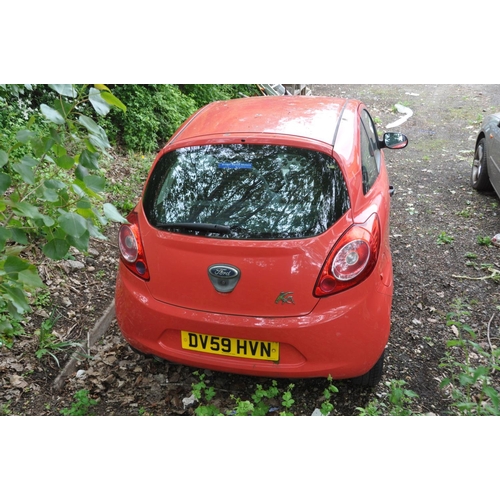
(479, 178)
(372, 378)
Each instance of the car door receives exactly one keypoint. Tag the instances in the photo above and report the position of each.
(375, 182)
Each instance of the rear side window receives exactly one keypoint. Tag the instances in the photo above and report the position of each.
(254, 191)
(370, 155)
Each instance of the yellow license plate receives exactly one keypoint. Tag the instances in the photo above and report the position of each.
(225, 346)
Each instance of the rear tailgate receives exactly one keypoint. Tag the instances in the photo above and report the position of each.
(277, 277)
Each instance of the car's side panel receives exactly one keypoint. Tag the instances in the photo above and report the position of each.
(492, 145)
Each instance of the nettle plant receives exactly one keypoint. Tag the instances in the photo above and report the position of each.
(51, 188)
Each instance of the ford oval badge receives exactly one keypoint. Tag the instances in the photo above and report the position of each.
(223, 271)
(224, 277)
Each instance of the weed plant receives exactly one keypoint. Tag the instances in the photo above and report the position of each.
(397, 403)
(81, 406)
(444, 239)
(48, 343)
(263, 401)
(472, 370)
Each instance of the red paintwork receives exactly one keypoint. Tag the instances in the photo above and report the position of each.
(341, 335)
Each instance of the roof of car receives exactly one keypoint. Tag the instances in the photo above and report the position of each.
(310, 117)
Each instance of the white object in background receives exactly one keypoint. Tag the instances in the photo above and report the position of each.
(407, 114)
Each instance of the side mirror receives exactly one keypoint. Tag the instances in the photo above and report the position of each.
(394, 140)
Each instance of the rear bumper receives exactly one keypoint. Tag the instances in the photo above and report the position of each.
(343, 336)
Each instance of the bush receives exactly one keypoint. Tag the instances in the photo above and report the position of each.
(155, 112)
(51, 186)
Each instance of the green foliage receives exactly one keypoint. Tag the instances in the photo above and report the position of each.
(484, 241)
(327, 405)
(81, 406)
(261, 403)
(5, 410)
(205, 394)
(51, 185)
(9, 329)
(397, 402)
(154, 112)
(204, 94)
(48, 343)
(444, 239)
(472, 370)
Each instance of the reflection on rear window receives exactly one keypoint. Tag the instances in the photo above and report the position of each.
(256, 191)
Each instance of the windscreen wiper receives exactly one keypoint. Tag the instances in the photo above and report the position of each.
(196, 227)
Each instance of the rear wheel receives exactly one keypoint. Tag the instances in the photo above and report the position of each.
(479, 178)
(372, 378)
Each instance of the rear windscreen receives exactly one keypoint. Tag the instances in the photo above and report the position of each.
(253, 191)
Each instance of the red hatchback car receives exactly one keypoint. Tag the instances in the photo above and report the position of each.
(261, 243)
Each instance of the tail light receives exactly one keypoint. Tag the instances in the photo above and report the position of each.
(351, 260)
(131, 249)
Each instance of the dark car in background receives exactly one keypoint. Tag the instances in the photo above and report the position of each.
(485, 174)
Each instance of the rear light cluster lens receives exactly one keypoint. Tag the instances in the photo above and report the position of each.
(352, 259)
(131, 249)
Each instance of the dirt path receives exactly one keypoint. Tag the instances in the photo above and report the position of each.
(436, 222)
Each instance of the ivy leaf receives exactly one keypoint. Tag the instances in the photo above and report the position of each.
(4, 158)
(65, 89)
(100, 105)
(56, 249)
(112, 213)
(51, 114)
(73, 224)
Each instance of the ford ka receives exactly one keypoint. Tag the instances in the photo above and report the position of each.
(260, 244)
